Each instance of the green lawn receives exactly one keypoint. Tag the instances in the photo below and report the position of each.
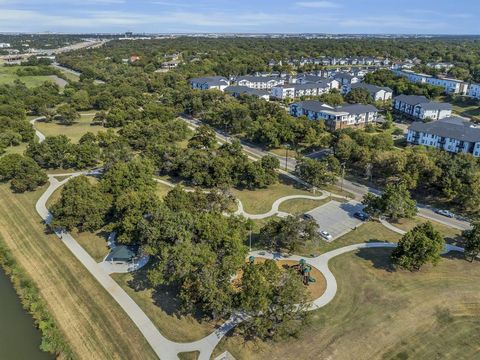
(451, 235)
(300, 206)
(74, 131)
(8, 76)
(16, 149)
(260, 201)
(379, 313)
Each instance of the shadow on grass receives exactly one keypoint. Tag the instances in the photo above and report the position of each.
(378, 257)
(166, 297)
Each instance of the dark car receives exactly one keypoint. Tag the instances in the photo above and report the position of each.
(307, 217)
(361, 216)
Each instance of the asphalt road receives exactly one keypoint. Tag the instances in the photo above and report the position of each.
(358, 190)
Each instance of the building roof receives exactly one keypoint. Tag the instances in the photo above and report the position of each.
(317, 106)
(451, 127)
(412, 99)
(122, 253)
(211, 80)
(313, 78)
(432, 105)
(258, 78)
(245, 90)
(343, 75)
(305, 86)
(371, 88)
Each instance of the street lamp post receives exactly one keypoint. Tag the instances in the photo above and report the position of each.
(343, 175)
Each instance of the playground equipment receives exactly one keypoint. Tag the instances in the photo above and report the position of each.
(304, 269)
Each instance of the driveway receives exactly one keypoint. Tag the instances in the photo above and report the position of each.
(337, 218)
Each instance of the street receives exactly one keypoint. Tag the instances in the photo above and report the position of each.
(358, 190)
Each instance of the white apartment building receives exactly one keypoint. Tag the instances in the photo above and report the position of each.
(260, 82)
(420, 107)
(451, 86)
(378, 93)
(452, 134)
(355, 115)
(474, 91)
(295, 91)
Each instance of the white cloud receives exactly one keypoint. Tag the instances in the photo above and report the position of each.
(318, 4)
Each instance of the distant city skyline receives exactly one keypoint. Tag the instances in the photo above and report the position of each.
(216, 16)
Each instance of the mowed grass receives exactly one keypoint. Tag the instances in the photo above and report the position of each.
(74, 131)
(161, 306)
(261, 200)
(379, 313)
(452, 235)
(91, 321)
(8, 76)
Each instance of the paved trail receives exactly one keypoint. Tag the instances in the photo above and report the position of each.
(163, 347)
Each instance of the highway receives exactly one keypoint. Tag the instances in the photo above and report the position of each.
(358, 190)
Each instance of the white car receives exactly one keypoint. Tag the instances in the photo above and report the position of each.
(326, 235)
(446, 213)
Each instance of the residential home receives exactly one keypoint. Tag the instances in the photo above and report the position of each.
(452, 134)
(210, 82)
(419, 107)
(314, 79)
(378, 93)
(260, 82)
(170, 64)
(451, 86)
(345, 80)
(355, 115)
(237, 91)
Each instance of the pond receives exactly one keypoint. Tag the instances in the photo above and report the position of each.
(19, 339)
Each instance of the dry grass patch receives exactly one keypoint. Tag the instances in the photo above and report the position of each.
(74, 131)
(92, 322)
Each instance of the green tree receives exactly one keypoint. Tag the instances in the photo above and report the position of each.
(316, 172)
(421, 245)
(204, 138)
(288, 233)
(359, 96)
(472, 241)
(67, 115)
(81, 205)
(394, 203)
(23, 173)
(275, 299)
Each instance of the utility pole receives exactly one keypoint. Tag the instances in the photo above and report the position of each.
(343, 175)
(286, 158)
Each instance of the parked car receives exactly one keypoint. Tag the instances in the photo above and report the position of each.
(326, 235)
(361, 216)
(307, 217)
(446, 213)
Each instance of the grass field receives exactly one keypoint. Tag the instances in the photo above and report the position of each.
(92, 322)
(8, 76)
(452, 236)
(161, 305)
(74, 131)
(383, 314)
(260, 201)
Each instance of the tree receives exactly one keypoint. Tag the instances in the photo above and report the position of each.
(24, 173)
(204, 138)
(316, 172)
(472, 241)
(288, 233)
(359, 96)
(81, 205)
(421, 245)
(67, 115)
(135, 175)
(275, 299)
(388, 121)
(129, 210)
(81, 100)
(394, 203)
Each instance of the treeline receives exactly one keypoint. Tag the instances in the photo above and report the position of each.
(401, 85)
(53, 340)
(453, 178)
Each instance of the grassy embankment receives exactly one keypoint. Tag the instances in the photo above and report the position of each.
(93, 324)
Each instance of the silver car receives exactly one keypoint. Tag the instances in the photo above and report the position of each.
(326, 235)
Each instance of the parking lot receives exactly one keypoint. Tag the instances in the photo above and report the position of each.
(337, 218)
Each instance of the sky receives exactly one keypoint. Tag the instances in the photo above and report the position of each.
(246, 16)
